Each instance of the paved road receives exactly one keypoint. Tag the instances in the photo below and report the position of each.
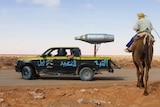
(12, 78)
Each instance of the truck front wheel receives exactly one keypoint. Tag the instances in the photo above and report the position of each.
(27, 72)
(86, 74)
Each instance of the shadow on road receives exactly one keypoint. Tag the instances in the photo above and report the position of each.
(78, 78)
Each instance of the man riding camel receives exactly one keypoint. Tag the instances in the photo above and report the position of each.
(142, 25)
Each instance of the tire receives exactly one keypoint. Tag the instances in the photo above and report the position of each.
(86, 74)
(27, 73)
(111, 70)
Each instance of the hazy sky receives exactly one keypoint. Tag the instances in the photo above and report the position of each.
(32, 26)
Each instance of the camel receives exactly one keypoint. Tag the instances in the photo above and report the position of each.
(142, 53)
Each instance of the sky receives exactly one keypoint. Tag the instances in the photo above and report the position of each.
(32, 26)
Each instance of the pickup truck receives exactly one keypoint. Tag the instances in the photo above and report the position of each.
(58, 61)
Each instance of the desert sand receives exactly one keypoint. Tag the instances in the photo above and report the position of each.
(117, 94)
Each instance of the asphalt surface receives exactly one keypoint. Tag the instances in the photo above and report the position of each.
(13, 78)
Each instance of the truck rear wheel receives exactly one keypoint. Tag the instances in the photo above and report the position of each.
(111, 70)
(27, 72)
(86, 74)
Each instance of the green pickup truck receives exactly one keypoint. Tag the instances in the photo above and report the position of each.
(63, 60)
